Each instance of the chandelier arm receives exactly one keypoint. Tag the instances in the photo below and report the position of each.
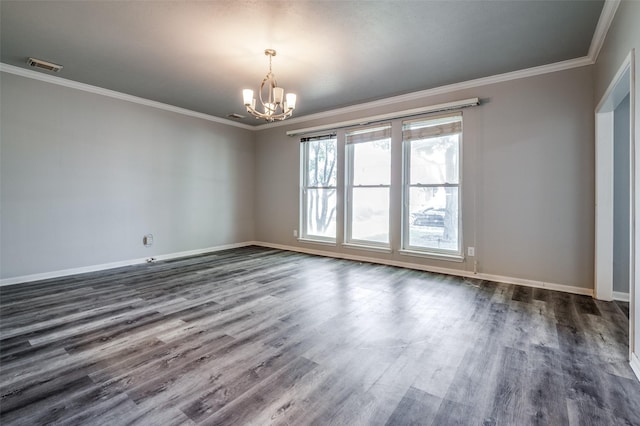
(264, 80)
(269, 117)
(270, 107)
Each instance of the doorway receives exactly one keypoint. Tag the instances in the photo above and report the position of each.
(622, 219)
(615, 242)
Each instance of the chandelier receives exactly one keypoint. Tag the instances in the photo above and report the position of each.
(275, 106)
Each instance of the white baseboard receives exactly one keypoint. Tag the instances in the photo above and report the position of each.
(112, 265)
(427, 268)
(409, 265)
(620, 296)
(635, 364)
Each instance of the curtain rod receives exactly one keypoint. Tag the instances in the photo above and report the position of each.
(401, 114)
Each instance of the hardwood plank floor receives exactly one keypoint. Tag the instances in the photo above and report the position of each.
(262, 336)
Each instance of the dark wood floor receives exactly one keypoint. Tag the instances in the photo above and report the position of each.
(260, 336)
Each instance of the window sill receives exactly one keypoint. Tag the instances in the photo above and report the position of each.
(434, 256)
(367, 247)
(321, 242)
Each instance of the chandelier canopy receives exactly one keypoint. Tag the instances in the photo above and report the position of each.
(275, 105)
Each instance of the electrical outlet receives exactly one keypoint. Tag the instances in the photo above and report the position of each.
(295, 232)
(147, 240)
(471, 251)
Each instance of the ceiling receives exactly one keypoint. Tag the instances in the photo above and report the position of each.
(199, 55)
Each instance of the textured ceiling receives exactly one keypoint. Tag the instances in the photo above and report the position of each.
(200, 55)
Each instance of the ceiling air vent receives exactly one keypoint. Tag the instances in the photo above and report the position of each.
(37, 63)
(236, 116)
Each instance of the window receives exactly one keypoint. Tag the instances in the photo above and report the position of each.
(352, 189)
(368, 184)
(431, 183)
(318, 198)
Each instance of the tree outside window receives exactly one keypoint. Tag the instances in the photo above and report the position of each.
(319, 187)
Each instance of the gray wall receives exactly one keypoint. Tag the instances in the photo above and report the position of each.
(621, 191)
(84, 177)
(528, 179)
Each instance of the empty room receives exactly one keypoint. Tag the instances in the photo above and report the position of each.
(303, 212)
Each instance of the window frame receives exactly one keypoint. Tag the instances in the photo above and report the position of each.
(405, 246)
(349, 186)
(304, 190)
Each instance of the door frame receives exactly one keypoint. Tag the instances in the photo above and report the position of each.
(623, 84)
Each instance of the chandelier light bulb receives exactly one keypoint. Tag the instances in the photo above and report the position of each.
(291, 101)
(247, 96)
(278, 94)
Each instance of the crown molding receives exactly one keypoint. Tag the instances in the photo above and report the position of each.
(604, 23)
(470, 84)
(11, 69)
